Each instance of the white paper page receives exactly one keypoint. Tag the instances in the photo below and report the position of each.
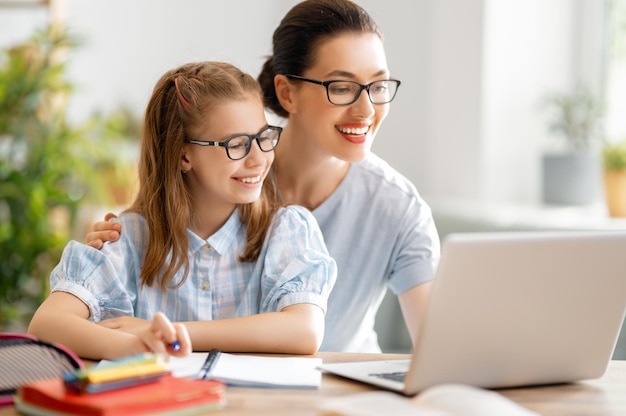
(299, 372)
(278, 371)
(187, 366)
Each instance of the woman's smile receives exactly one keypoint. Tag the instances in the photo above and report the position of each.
(354, 133)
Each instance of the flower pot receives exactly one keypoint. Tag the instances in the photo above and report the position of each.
(615, 192)
(571, 178)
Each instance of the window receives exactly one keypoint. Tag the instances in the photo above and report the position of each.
(615, 86)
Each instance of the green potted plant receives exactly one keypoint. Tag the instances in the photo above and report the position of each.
(48, 168)
(614, 163)
(572, 173)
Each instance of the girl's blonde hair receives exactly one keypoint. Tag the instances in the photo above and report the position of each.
(179, 104)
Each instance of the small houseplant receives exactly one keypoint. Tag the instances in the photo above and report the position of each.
(572, 173)
(614, 163)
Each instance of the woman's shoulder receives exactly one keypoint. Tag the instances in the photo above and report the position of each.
(376, 172)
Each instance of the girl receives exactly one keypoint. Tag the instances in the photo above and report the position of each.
(328, 77)
(206, 240)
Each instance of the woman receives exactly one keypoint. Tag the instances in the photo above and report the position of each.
(375, 224)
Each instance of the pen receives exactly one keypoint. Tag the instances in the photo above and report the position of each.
(175, 346)
(209, 363)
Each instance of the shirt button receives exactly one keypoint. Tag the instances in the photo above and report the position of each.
(207, 247)
(205, 285)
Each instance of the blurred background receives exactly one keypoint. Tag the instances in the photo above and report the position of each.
(497, 98)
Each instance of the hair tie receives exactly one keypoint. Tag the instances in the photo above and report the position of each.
(180, 96)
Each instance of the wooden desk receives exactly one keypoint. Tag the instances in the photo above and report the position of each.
(601, 397)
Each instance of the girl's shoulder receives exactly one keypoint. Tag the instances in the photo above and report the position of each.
(293, 214)
(133, 224)
(294, 228)
(129, 217)
(294, 219)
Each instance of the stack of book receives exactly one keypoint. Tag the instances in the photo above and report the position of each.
(168, 395)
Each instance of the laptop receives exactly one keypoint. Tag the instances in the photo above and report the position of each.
(512, 309)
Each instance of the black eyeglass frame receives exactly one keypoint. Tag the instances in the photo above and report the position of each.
(362, 87)
(251, 137)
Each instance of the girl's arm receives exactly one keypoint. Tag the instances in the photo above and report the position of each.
(62, 319)
(296, 329)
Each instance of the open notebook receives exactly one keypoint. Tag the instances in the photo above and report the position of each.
(514, 308)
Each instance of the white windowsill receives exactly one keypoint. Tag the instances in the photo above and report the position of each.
(478, 214)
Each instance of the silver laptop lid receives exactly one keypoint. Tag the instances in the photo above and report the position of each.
(524, 308)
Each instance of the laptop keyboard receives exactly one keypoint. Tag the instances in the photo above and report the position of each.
(395, 376)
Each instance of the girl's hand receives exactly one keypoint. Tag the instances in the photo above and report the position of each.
(130, 324)
(158, 335)
(165, 337)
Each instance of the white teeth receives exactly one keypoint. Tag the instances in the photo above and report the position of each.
(251, 180)
(353, 130)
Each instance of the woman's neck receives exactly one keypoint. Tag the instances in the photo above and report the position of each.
(304, 174)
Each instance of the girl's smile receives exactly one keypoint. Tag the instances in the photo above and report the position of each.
(252, 180)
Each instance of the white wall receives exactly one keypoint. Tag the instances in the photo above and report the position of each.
(131, 44)
(465, 123)
(529, 51)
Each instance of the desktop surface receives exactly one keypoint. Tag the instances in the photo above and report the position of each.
(605, 396)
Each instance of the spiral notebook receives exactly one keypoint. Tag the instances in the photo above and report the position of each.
(273, 371)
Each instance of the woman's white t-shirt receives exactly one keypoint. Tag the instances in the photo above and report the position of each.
(382, 234)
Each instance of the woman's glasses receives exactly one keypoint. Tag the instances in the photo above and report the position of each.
(347, 92)
(238, 146)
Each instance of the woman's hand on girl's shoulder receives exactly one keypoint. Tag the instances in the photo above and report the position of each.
(104, 231)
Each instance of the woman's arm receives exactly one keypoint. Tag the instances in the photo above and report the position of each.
(413, 304)
(62, 319)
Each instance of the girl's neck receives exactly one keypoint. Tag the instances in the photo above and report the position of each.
(209, 219)
(305, 175)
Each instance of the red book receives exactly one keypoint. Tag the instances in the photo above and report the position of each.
(170, 395)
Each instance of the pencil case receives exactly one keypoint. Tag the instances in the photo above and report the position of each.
(111, 375)
(24, 358)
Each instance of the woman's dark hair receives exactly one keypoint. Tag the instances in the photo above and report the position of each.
(300, 33)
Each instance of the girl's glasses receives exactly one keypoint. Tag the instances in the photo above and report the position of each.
(238, 146)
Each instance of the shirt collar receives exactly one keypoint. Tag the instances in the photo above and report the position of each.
(221, 240)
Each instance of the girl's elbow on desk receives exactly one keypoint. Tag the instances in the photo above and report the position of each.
(308, 329)
(306, 343)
